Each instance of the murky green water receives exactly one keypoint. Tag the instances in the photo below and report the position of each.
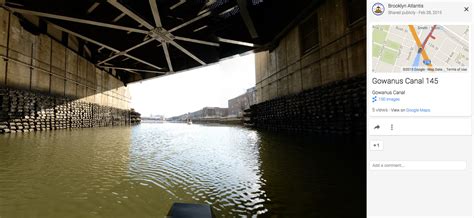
(140, 171)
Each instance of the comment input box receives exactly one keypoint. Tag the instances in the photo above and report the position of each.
(417, 165)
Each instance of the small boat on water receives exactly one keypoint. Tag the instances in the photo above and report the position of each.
(186, 210)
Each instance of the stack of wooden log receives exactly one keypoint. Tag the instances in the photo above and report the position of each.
(44, 113)
(60, 114)
(335, 108)
(135, 117)
(25, 111)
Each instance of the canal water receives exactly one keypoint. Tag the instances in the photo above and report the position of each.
(140, 171)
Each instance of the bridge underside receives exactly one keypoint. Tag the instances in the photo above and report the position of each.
(150, 38)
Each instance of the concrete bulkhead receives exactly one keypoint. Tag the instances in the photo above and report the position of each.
(47, 84)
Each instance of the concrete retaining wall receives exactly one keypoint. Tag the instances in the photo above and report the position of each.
(340, 54)
(313, 80)
(47, 85)
(41, 63)
(334, 108)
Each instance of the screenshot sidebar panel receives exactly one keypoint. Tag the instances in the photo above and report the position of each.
(419, 109)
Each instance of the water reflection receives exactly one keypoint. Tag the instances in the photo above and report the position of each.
(62, 173)
(313, 176)
(217, 165)
(140, 171)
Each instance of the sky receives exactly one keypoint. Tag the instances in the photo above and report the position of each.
(189, 91)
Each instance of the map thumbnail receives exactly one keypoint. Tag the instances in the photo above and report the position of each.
(420, 48)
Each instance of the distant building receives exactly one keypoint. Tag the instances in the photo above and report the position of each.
(207, 112)
(242, 102)
(158, 117)
(154, 118)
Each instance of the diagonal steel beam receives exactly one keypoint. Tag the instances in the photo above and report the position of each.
(196, 41)
(190, 21)
(111, 57)
(118, 17)
(177, 4)
(167, 56)
(132, 72)
(247, 19)
(187, 52)
(83, 37)
(137, 18)
(227, 11)
(132, 69)
(231, 41)
(103, 45)
(200, 28)
(156, 14)
(130, 13)
(77, 20)
(142, 61)
(93, 7)
(126, 51)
